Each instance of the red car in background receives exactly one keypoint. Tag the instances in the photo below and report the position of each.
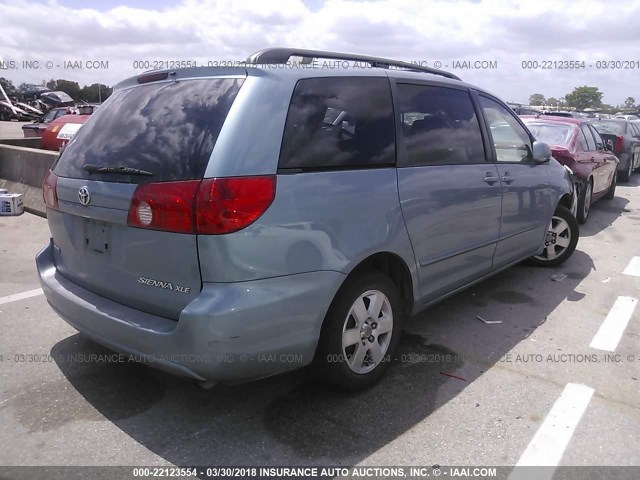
(576, 144)
(37, 128)
(60, 132)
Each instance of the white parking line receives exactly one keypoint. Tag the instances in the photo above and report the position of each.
(612, 328)
(20, 296)
(550, 441)
(633, 268)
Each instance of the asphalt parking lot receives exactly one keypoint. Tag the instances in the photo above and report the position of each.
(461, 391)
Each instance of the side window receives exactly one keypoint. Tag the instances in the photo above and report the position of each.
(342, 122)
(597, 138)
(49, 116)
(511, 140)
(635, 130)
(583, 141)
(591, 143)
(439, 126)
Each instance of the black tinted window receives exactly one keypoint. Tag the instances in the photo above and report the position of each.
(168, 129)
(339, 123)
(591, 143)
(597, 138)
(439, 126)
(49, 116)
(583, 141)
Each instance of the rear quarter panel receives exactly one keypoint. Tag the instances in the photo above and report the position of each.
(318, 221)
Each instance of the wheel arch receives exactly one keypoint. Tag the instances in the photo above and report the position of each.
(391, 265)
(566, 201)
(395, 268)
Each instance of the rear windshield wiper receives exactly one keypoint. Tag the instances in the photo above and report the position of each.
(116, 169)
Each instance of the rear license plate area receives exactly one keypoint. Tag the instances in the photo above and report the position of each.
(97, 236)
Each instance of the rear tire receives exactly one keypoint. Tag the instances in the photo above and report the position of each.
(625, 176)
(612, 188)
(584, 202)
(360, 333)
(561, 240)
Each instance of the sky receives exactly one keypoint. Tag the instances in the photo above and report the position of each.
(119, 37)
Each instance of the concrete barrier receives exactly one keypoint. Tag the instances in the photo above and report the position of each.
(33, 142)
(22, 170)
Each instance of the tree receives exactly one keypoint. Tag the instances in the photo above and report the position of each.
(553, 102)
(95, 93)
(630, 102)
(536, 99)
(70, 88)
(51, 84)
(584, 97)
(8, 86)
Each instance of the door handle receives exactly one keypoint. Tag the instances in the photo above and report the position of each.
(490, 178)
(506, 178)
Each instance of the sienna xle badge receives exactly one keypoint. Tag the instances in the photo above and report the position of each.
(227, 224)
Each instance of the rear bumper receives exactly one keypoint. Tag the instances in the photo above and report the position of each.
(232, 332)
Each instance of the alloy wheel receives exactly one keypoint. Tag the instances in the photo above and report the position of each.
(557, 240)
(367, 331)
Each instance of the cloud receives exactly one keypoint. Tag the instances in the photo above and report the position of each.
(506, 31)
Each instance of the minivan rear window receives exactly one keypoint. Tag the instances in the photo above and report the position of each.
(339, 123)
(168, 129)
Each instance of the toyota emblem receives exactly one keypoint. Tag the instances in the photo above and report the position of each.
(84, 196)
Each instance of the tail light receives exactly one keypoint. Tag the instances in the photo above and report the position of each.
(563, 155)
(212, 206)
(619, 146)
(49, 190)
(164, 206)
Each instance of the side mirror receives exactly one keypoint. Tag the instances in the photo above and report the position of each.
(541, 152)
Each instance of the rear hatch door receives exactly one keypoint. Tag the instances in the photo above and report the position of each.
(160, 133)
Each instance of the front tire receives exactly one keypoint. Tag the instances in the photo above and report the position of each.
(584, 202)
(561, 240)
(360, 333)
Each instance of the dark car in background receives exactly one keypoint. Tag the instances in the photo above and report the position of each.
(576, 144)
(57, 99)
(521, 110)
(624, 138)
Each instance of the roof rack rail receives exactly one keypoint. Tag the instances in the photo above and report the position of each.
(282, 55)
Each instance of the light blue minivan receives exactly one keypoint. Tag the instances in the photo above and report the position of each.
(227, 224)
